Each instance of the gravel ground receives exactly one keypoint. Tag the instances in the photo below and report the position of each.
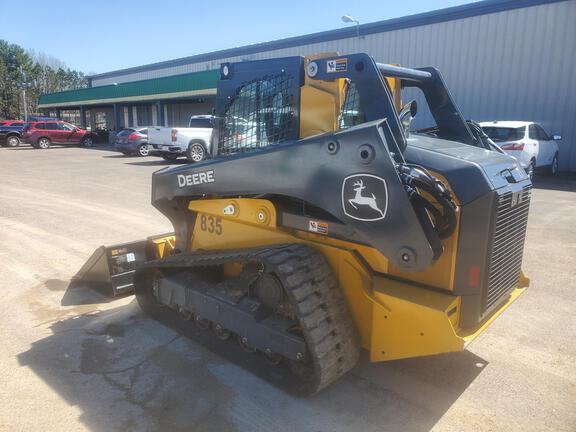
(72, 359)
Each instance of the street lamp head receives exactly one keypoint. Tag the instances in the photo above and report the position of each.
(348, 19)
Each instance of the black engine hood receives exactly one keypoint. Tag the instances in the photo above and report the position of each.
(471, 171)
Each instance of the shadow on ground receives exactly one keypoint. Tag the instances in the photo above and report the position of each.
(119, 156)
(156, 161)
(125, 371)
(98, 147)
(564, 182)
(80, 292)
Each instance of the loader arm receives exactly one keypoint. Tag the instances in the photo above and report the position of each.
(308, 170)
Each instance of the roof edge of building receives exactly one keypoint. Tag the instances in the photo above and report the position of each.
(203, 83)
(433, 17)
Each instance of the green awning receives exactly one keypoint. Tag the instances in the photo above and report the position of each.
(176, 86)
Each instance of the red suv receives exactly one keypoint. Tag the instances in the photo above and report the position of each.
(42, 134)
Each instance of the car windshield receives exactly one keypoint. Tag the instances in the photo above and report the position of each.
(499, 134)
(200, 123)
(125, 132)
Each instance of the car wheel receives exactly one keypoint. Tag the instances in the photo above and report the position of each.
(142, 150)
(169, 157)
(554, 168)
(195, 152)
(13, 141)
(87, 142)
(530, 170)
(44, 143)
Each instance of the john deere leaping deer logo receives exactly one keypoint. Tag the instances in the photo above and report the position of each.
(364, 197)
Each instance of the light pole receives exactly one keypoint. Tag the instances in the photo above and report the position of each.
(23, 85)
(348, 19)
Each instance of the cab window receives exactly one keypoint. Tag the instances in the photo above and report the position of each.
(261, 114)
(352, 113)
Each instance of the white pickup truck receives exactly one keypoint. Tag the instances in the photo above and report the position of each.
(194, 142)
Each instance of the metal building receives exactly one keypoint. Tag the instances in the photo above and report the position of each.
(505, 60)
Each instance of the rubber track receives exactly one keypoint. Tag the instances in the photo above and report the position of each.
(313, 291)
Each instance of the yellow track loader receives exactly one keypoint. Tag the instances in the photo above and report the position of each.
(322, 224)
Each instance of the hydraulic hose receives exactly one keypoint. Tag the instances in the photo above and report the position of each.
(437, 224)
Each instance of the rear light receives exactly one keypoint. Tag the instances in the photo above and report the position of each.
(474, 276)
(513, 146)
(133, 137)
(174, 133)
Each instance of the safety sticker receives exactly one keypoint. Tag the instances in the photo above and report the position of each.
(318, 227)
(337, 65)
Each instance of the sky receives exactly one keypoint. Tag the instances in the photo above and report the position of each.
(96, 36)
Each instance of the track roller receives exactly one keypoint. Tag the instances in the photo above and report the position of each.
(289, 319)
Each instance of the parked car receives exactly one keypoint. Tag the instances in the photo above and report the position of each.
(132, 141)
(11, 135)
(194, 142)
(528, 142)
(11, 122)
(43, 134)
(37, 118)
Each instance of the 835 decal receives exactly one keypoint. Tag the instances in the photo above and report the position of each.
(211, 224)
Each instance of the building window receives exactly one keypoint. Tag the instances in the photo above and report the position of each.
(100, 120)
(71, 116)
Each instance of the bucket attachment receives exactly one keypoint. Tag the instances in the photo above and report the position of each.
(110, 269)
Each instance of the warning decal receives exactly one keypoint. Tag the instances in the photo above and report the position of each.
(318, 227)
(337, 65)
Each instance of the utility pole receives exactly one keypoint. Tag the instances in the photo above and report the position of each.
(23, 85)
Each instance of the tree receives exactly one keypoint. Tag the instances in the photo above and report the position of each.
(44, 74)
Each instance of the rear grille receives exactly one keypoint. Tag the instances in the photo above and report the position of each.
(507, 245)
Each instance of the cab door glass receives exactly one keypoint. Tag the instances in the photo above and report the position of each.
(532, 132)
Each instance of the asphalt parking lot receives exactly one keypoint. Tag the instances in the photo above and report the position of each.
(71, 359)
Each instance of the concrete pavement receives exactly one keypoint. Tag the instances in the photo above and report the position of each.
(71, 359)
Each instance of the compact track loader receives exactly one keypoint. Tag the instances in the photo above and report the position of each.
(321, 225)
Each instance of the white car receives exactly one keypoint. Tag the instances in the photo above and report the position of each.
(527, 142)
(193, 142)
